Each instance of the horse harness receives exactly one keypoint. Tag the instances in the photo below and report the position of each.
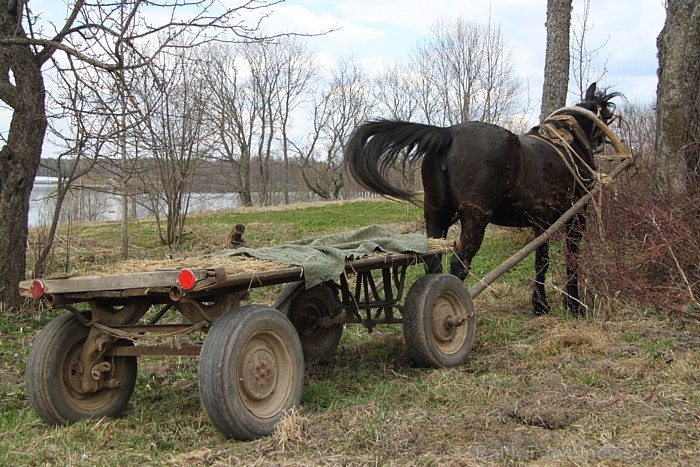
(552, 132)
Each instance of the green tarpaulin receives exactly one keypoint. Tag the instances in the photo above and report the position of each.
(323, 257)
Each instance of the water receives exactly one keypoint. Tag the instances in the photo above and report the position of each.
(41, 203)
(99, 205)
(93, 204)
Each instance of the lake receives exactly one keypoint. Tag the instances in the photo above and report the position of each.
(99, 205)
(90, 204)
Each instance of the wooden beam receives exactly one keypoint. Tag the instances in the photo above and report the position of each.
(153, 350)
(141, 280)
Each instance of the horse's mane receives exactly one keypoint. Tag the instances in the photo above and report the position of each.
(603, 99)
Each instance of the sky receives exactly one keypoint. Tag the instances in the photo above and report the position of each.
(376, 32)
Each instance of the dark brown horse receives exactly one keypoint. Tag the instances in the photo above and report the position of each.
(481, 173)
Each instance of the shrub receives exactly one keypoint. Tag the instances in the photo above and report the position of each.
(647, 252)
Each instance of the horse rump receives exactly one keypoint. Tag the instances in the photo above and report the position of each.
(376, 146)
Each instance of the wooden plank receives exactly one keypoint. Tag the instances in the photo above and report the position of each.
(291, 274)
(141, 280)
(154, 350)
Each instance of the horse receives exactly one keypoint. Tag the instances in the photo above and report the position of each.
(480, 173)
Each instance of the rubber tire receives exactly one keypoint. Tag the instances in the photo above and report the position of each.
(229, 348)
(316, 302)
(57, 345)
(288, 293)
(430, 300)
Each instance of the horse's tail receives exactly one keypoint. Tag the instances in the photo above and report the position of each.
(375, 147)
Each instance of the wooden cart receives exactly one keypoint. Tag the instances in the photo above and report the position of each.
(83, 364)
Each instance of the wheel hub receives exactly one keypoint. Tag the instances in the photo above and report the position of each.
(442, 319)
(260, 374)
(72, 374)
(308, 323)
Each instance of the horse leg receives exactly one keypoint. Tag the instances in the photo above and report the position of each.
(474, 221)
(573, 240)
(539, 299)
(438, 210)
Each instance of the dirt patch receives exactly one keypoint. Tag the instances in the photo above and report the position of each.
(552, 405)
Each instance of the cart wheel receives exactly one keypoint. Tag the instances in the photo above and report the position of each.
(54, 368)
(307, 307)
(438, 321)
(288, 293)
(251, 371)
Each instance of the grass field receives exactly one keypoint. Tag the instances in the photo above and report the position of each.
(553, 390)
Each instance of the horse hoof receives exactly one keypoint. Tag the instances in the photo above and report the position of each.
(539, 308)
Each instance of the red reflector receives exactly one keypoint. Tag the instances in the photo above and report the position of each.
(186, 279)
(37, 289)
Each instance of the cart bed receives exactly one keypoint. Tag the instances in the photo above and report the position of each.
(159, 284)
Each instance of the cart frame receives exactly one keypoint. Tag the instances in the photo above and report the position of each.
(83, 364)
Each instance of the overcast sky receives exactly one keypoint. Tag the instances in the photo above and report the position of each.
(377, 32)
(381, 31)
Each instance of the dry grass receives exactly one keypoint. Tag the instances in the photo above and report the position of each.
(232, 265)
(620, 388)
(550, 417)
(645, 250)
(559, 392)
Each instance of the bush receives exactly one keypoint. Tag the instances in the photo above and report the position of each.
(647, 252)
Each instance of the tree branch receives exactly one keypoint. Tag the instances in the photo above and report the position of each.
(8, 92)
(50, 47)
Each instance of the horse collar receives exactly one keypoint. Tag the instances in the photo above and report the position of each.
(554, 134)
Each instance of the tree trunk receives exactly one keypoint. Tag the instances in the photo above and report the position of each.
(20, 156)
(125, 170)
(678, 98)
(285, 158)
(556, 67)
(245, 197)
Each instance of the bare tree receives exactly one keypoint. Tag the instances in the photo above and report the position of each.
(232, 110)
(256, 90)
(465, 73)
(82, 139)
(343, 105)
(584, 69)
(678, 97)
(175, 138)
(264, 81)
(639, 128)
(91, 33)
(244, 107)
(297, 72)
(395, 93)
(22, 89)
(450, 61)
(499, 85)
(556, 67)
